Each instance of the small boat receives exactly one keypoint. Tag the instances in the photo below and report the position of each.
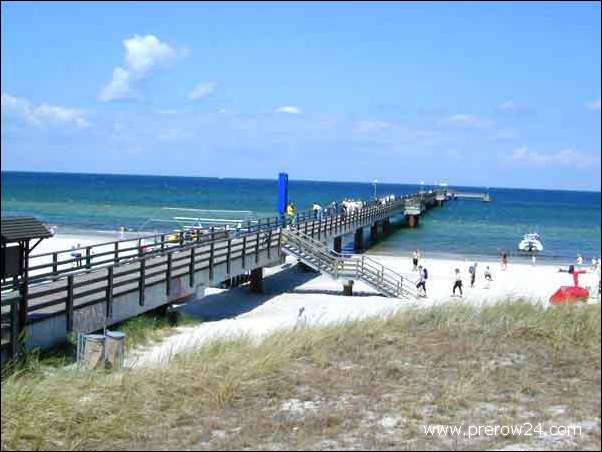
(530, 243)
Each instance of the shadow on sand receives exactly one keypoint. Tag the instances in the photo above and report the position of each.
(236, 301)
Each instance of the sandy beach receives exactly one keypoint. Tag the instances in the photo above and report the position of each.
(294, 297)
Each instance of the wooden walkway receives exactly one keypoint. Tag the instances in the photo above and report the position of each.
(127, 270)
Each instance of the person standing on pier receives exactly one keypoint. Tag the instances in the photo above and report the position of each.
(457, 283)
(290, 212)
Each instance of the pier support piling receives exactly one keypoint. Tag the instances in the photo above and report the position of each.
(358, 239)
(386, 226)
(338, 244)
(374, 232)
(257, 280)
(412, 220)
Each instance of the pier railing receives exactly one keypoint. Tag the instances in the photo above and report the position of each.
(108, 270)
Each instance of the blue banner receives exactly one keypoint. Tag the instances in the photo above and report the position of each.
(282, 192)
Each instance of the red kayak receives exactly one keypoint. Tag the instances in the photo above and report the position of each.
(569, 294)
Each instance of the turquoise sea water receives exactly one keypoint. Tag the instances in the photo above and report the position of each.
(568, 222)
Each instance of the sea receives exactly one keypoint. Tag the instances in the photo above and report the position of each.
(567, 221)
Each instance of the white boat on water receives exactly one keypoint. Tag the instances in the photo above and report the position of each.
(531, 243)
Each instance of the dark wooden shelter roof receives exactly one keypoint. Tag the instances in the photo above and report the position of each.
(15, 229)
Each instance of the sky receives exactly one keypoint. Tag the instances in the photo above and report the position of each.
(481, 94)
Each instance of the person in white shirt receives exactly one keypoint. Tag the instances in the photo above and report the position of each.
(457, 283)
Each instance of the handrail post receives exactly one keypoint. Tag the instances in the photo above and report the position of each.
(163, 242)
(269, 244)
(191, 275)
(55, 266)
(88, 257)
(211, 256)
(168, 275)
(257, 248)
(244, 252)
(116, 253)
(110, 293)
(69, 303)
(280, 243)
(141, 282)
(229, 257)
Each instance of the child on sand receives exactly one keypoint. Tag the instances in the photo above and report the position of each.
(473, 274)
(457, 283)
(504, 260)
(415, 260)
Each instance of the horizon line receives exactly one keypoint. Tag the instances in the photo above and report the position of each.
(298, 180)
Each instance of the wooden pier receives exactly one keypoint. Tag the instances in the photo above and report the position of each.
(114, 281)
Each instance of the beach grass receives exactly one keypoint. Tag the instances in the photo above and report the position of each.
(370, 384)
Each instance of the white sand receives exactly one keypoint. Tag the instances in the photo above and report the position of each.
(62, 242)
(235, 312)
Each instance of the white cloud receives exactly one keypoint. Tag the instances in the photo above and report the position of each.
(566, 157)
(290, 109)
(202, 90)
(143, 54)
(43, 113)
(469, 120)
(594, 105)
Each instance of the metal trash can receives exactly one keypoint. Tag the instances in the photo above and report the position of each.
(114, 349)
(94, 351)
(348, 288)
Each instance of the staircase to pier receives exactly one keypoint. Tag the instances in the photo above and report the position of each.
(320, 257)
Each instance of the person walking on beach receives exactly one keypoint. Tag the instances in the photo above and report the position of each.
(421, 285)
(457, 283)
(533, 259)
(579, 259)
(473, 274)
(488, 278)
(415, 261)
(504, 260)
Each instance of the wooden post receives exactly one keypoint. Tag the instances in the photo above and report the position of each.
(168, 275)
(55, 266)
(211, 253)
(229, 257)
(14, 327)
(88, 257)
(257, 280)
(191, 276)
(162, 242)
(280, 243)
(23, 304)
(257, 249)
(116, 253)
(69, 304)
(269, 244)
(141, 283)
(244, 252)
(110, 293)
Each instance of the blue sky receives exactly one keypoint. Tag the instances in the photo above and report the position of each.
(501, 94)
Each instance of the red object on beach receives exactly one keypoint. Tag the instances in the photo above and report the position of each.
(569, 294)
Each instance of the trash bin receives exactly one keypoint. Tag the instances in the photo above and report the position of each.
(114, 349)
(94, 351)
(348, 288)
